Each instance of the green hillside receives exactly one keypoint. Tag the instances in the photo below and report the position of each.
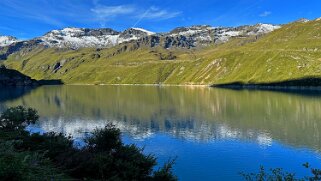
(292, 52)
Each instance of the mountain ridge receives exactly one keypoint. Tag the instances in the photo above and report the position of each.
(291, 52)
(106, 37)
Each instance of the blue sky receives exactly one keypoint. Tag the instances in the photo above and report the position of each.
(30, 18)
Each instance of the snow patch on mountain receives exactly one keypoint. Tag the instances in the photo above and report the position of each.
(7, 40)
(266, 28)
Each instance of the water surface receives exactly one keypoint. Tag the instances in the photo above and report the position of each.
(214, 133)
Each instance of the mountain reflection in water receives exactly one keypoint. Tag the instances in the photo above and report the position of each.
(191, 113)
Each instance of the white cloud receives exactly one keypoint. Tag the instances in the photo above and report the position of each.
(159, 14)
(112, 11)
(265, 14)
(107, 13)
(61, 13)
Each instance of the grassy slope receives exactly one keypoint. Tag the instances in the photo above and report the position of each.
(291, 52)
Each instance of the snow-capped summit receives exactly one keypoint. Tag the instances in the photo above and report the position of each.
(143, 30)
(266, 28)
(7, 40)
(79, 32)
(80, 37)
(187, 31)
(205, 34)
(133, 34)
(84, 37)
(262, 29)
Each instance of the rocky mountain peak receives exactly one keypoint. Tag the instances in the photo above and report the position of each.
(7, 40)
(79, 32)
(302, 20)
(262, 28)
(185, 31)
(133, 34)
(144, 31)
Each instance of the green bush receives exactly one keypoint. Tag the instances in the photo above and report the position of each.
(107, 139)
(16, 166)
(278, 174)
(107, 158)
(52, 145)
(17, 118)
(51, 155)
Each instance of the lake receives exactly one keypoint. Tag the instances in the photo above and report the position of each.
(214, 134)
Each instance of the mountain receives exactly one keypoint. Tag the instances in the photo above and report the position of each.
(75, 38)
(203, 55)
(80, 37)
(7, 40)
(183, 37)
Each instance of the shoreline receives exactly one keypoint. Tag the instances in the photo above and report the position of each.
(267, 87)
(236, 86)
(156, 85)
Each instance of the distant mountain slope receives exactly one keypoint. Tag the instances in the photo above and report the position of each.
(249, 54)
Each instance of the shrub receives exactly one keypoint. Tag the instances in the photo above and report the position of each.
(107, 158)
(25, 156)
(279, 174)
(17, 118)
(107, 139)
(16, 166)
(165, 173)
(52, 145)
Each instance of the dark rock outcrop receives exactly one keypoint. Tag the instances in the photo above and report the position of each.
(10, 77)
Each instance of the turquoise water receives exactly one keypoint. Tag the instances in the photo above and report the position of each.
(214, 134)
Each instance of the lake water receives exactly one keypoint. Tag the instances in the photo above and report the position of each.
(214, 134)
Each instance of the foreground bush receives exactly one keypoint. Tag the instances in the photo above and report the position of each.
(51, 156)
(278, 174)
(17, 118)
(15, 166)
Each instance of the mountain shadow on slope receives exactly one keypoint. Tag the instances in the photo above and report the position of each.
(306, 85)
(9, 77)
